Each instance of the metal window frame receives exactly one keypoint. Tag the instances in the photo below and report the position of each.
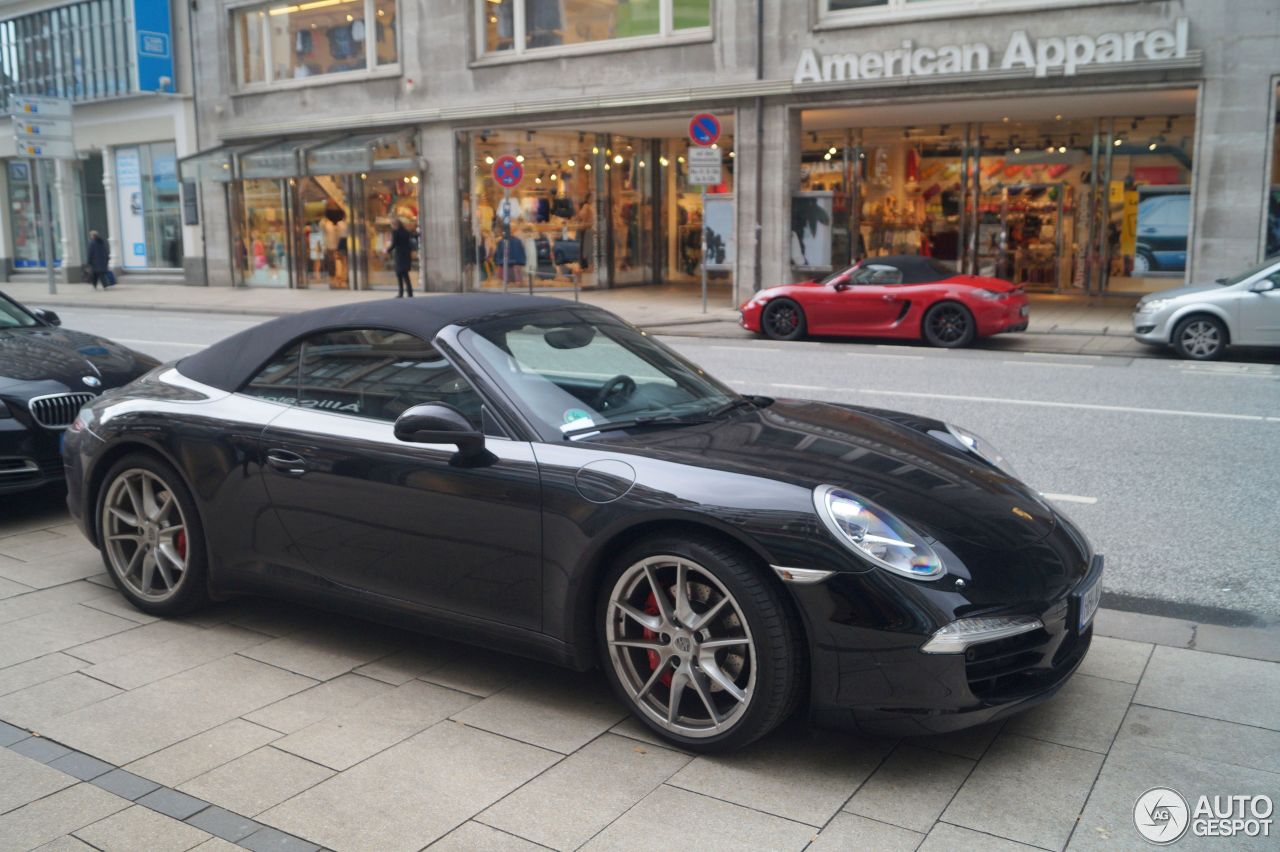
(666, 33)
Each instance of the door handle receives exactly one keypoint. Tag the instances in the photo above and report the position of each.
(287, 462)
(889, 298)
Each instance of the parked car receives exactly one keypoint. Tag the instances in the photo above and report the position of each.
(1201, 321)
(902, 297)
(1162, 233)
(536, 475)
(46, 374)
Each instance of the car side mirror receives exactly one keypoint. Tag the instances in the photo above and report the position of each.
(438, 423)
(47, 316)
(1266, 285)
(842, 284)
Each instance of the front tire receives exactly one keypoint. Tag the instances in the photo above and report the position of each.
(949, 325)
(698, 643)
(151, 537)
(1200, 338)
(783, 319)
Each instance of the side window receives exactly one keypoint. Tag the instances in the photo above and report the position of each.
(377, 374)
(277, 381)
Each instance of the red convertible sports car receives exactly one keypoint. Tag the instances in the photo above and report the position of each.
(904, 297)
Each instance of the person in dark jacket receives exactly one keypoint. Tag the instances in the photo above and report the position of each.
(401, 251)
(99, 260)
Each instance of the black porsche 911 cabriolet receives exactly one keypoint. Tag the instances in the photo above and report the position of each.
(538, 476)
(46, 374)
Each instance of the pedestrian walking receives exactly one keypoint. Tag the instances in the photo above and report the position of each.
(402, 245)
(99, 261)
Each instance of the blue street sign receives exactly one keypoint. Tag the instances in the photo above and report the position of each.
(704, 129)
(507, 171)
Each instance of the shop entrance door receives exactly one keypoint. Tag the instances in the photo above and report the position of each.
(322, 231)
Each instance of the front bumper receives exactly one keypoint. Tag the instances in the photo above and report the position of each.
(29, 457)
(1003, 316)
(889, 687)
(1152, 327)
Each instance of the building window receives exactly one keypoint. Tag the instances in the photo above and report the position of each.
(24, 215)
(150, 207)
(280, 42)
(80, 51)
(1271, 244)
(516, 26)
(839, 12)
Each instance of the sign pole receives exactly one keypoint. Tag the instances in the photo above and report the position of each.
(704, 249)
(506, 236)
(46, 227)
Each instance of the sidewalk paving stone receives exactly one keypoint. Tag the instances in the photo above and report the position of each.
(134, 640)
(261, 779)
(1140, 627)
(572, 801)
(66, 843)
(80, 766)
(205, 751)
(326, 652)
(136, 723)
(345, 739)
(1026, 790)
(186, 650)
(911, 788)
(1086, 714)
(1233, 689)
(482, 672)
(971, 742)
(173, 803)
(319, 702)
(54, 630)
(421, 658)
(43, 600)
(1116, 659)
(1239, 641)
(477, 837)
(56, 815)
(952, 838)
(125, 784)
(803, 775)
(24, 780)
(34, 706)
(142, 829)
(8, 588)
(700, 822)
(1198, 737)
(55, 570)
(413, 793)
(40, 749)
(852, 833)
(562, 711)
(269, 839)
(217, 844)
(223, 823)
(114, 604)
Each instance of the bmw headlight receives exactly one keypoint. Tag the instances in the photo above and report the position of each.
(876, 534)
(981, 448)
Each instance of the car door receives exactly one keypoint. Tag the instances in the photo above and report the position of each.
(870, 303)
(1259, 312)
(406, 522)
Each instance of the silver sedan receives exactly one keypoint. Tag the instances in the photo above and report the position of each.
(1201, 321)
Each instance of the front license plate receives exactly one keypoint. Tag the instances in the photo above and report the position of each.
(1089, 603)
(1025, 311)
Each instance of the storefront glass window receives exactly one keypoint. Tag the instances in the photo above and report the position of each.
(25, 217)
(555, 23)
(282, 42)
(149, 205)
(261, 243)
(389, 197)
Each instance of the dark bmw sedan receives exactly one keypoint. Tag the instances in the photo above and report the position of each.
(540, 477)
(46, 374)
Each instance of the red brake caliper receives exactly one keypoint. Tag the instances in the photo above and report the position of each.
(180, 542)
(651, 608)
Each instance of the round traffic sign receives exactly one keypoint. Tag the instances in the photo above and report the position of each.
(507, 171)
(704, 129)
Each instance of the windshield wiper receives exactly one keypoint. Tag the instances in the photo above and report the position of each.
(732, 405)
(639, 421)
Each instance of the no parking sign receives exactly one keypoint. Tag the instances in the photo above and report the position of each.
(508, 171)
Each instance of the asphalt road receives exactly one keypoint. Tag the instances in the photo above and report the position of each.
(1171, 468)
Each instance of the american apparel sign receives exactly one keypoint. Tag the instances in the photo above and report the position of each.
(1043, 56)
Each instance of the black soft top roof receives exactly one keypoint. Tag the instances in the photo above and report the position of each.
(230, 363)
(915, 268)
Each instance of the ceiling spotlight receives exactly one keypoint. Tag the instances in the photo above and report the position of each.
(414, 179)
(537, 180)
(832, 150)
(641, 164)
(595, 150)
(1062, 149)
(731, 155)
(664, 162)
(606, 167)
(586, 167)
(1058, 117)
(617, 158)
(1151, 147)
(519, 158)
(572, 162)
(1017, 150)
(1117, 142)
(680, 159)
(1005, 119)
(826, 156)
(555, 176)
(488, 161)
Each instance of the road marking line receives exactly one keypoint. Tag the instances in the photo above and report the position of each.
(1084, 406)
(747, 348)
(1048, 364)
(1069, 498)
(1065, 354)
(886, 355)
(1230, 375)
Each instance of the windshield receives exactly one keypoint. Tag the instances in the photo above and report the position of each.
(572, 370)
(833, 277)
(1245, 276)
(12, 316)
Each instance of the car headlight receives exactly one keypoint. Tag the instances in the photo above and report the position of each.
(1152, 305)
(989, 295)
(4, 410)
(876, 534)
(981, 448)
(957, 636)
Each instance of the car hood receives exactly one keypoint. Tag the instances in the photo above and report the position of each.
(1175, 292)
(935, 487)
(57, 355)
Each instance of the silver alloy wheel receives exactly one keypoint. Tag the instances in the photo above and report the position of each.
(680, 646)
(1200, 339)
(145, 534)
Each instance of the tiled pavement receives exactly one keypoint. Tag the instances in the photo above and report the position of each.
(267, 726)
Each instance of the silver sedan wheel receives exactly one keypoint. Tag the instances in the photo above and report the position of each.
(680, 646)
(145, 534)
(1200, 339)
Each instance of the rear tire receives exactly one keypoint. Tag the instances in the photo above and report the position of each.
(1200, 338)
(949, 325)
(151, 537)
(715, 663)
(783, 319)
